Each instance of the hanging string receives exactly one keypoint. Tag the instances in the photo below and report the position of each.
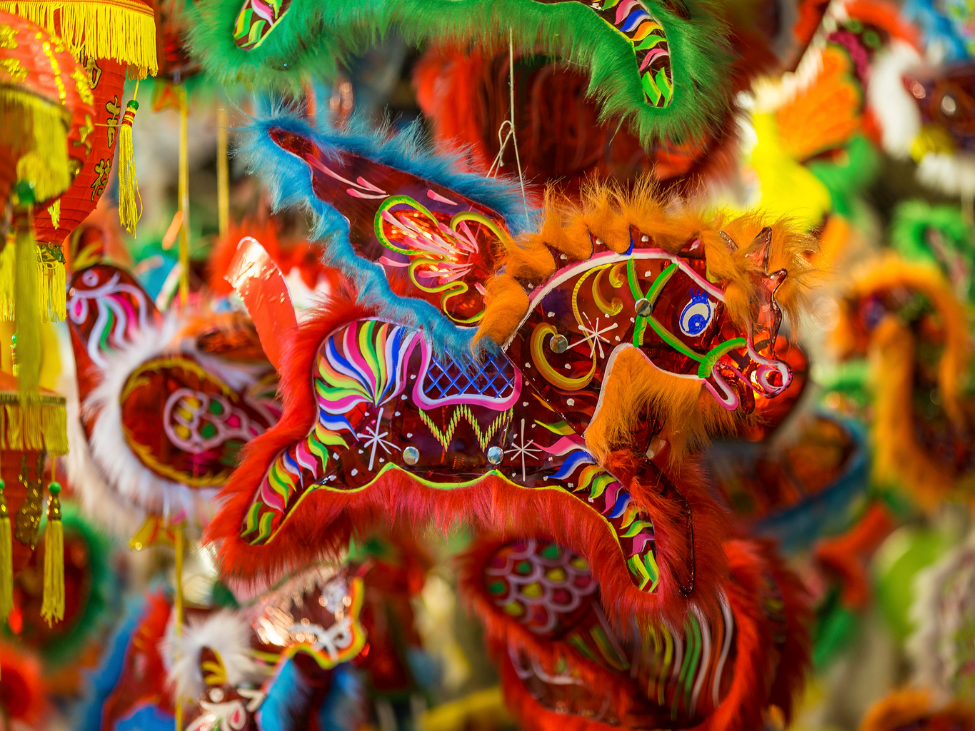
(184, 288)
(509, 124)
(178, 608)
(184, 199)
(223, 173)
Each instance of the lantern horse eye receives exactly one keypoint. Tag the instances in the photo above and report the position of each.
(696, 315)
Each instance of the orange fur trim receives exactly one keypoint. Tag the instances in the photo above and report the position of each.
(636, 388)
(905, 707)
(898, 456)
(687, 411)
(607, 212)
(893, 272)
(509, 302)
(825, 114)
(893, 351)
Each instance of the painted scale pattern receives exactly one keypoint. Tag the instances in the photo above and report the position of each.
(256, 20)
(633, 21)
(550, 590)
(386, 401)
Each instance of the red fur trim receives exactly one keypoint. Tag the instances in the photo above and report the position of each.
(887, 16)
(711, 527)
(796, 655)
(287, 550)
(756, 682)
(503, 631)
(741, 709)
(21, 689)
(325, 521)
(847, 555)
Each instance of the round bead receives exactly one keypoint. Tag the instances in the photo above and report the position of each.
(558, 343)
(644, 308)
(494, 455)
(411, 455)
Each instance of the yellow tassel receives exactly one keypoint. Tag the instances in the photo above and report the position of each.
(26, 293)
(129, 200)
(6, 560)
(8, 262)
(178, 607)
(52, 608)
(223, 174)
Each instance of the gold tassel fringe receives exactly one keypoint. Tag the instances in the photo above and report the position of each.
(51, 293)
(6, 560)
(27, 315)
(129, 200)
(123, 30)
(35, 131)
(52, 607)
(39, 424)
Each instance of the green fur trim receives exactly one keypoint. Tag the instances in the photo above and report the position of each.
(314, 36)
(939, 235)
(848, 179)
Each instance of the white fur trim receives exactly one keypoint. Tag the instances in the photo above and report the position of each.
(952, 174)
(225, 632)
(120, 465)
(892, 104)
(98, 501)
(944, 595)
(255, 597)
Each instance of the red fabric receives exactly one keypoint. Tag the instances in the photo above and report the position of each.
(106, 79)
(21, 687)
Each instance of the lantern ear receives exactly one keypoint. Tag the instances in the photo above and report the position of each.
(418, 239)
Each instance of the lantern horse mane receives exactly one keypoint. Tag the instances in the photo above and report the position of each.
(615, 327)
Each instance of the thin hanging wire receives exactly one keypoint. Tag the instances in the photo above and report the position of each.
(509, 124)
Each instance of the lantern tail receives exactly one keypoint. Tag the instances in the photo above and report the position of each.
(52, 608)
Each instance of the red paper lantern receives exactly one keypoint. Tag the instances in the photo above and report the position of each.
(92, 150)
